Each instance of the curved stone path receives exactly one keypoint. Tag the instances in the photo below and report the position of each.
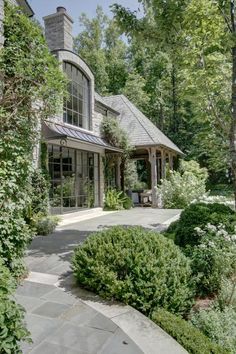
(65, 319)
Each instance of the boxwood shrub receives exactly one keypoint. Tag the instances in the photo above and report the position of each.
(194, 341)
(138, 267)
(12, 329)
(199, 215)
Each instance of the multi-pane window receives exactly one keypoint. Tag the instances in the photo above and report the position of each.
(74, 176)
(76, 107)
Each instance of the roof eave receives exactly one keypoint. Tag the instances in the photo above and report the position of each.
(26, 7)
(179, 152)
(107, 107)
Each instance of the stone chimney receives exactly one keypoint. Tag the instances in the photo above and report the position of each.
(58, 30)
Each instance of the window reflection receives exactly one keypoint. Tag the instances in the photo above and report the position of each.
(76, 107)
(74, 176)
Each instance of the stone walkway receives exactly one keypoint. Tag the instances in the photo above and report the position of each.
(63, 318)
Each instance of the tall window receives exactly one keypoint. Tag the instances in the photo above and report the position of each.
(76, 108)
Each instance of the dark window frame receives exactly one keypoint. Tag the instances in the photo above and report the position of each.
(76, 109)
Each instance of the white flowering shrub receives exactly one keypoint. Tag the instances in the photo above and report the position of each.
(206, 198)
(183, 186)
(213, 259)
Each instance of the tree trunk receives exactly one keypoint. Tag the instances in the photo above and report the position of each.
(174, 101)
(233, 123)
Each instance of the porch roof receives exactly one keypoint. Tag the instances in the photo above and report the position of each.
(53, 131)
(141, 131)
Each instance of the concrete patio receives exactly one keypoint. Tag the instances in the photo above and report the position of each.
(65, 319)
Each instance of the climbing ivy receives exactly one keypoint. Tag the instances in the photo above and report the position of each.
(32, 87)
(116, 136)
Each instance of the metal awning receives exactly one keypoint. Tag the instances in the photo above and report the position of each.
(53, 131)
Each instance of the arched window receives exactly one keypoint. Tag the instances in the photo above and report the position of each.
(76, 108)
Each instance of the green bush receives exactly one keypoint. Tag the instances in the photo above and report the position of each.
(227, 294)
(199, 215)
(15, 237)
(213, 260)
(182, 187)
(39, 193)
(12, 329)
(219, 326)
(186, 334)
(138, 267)
(45, 225)
(116, 200)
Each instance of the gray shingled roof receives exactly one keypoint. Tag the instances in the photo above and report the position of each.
(100, 99)
(140, 129)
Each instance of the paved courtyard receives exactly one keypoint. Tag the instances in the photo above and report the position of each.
(65, 319)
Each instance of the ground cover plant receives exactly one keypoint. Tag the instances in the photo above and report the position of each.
(12, 328)
(218, 325)
(116, 200)
(138, 267)
(190, 337)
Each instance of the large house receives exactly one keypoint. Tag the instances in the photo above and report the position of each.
(76, 149)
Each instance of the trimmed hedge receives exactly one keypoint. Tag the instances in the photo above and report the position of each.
(199, 215)
(138, 267)
(194, 341)
(12, 329)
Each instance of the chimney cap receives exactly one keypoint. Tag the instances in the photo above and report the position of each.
(61, 9)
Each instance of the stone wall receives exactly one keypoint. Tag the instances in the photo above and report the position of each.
(58, 30)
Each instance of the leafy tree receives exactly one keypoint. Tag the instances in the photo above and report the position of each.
(192, 88)
(134, 89)
(99, 44)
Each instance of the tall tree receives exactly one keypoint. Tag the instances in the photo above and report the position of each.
(101, 46)
(191, 34)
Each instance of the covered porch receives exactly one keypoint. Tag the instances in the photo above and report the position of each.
(150, 143)
(158, 161)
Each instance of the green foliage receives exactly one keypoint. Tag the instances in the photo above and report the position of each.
(134, 89)
(135, 266)
(39, 193)
(100, 45)
(183, 186)
(184, 70)
(114, 134)
(44, 224)
(192, 339)
(29, 74)
(116, 200)
(213, 259)
(12, 329)
(219, 326)
(199, 215)
(227, 294)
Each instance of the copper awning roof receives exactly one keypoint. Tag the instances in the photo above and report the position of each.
(53, 131)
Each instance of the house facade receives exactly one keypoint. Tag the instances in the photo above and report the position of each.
(74, 145)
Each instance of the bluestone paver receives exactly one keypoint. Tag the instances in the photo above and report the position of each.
(65, 319)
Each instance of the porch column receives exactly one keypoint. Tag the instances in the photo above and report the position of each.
(163, 164)
(171, 161)
(118, 177)
(153, 162)
(101, 179)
